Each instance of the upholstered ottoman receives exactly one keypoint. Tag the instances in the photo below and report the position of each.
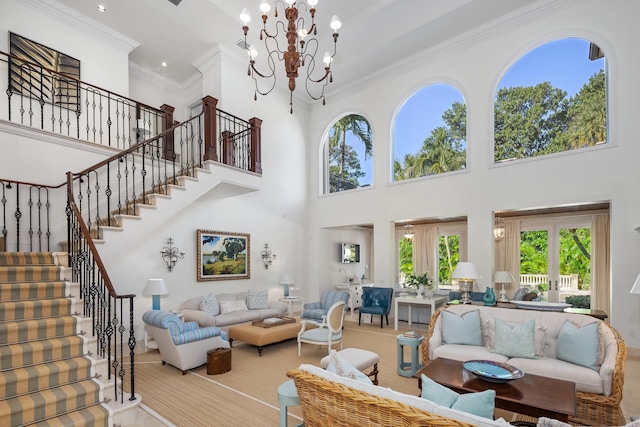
(359, 359)
(261, 336)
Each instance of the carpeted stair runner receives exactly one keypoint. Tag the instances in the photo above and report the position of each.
(45, 378)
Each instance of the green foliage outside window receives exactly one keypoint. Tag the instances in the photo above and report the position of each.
(575, 258)
(344, 163)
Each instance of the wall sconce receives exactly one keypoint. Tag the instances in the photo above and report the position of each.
(171, 254)
(267, 256)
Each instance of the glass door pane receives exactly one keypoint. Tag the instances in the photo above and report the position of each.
(534, 261)
(574, 262)
(555, 261)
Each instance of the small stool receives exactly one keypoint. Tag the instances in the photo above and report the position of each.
(408, 369)
(359, 359)
(287, 396)
(218, 361)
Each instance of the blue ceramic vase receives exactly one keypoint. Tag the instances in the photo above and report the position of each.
(489, 297)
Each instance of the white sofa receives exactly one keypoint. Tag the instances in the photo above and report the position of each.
(328, 399)
(192, 312)
(598, 392)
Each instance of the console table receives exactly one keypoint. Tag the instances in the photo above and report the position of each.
(434, 302)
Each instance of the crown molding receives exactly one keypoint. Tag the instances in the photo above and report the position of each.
(75, 20)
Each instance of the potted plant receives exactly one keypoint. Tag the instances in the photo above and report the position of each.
(421, 282)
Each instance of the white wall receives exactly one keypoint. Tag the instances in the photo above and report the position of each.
(475, 65)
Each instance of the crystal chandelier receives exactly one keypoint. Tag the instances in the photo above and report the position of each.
(300, 51)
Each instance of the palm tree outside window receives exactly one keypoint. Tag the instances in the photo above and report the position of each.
(350, 148)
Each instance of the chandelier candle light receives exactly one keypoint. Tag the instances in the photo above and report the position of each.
(299, 52)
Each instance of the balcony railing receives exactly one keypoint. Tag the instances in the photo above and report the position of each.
(567, 282)
(47, 100)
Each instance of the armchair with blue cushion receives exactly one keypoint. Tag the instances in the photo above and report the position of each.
(183, 344)
(376, 301)
(316, 310)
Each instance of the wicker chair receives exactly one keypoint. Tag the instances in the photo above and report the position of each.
(326, 403)
(591, 409)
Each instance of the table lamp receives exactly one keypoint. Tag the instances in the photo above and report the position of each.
(286, 280)
(503, 278)
(155, 288)
(466, 273)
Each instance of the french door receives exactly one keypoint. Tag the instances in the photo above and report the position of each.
(555, 257)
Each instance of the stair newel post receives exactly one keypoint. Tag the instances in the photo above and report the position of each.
(209, 105)
(169, 152)
(255, 163)
(167, 123)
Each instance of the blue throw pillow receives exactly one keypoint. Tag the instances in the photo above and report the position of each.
(210, 304)
(515, 341)
(578, 345)
(481, 403)
(461, 330)
(257, 300)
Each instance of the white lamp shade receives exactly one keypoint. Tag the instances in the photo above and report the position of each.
(155, 287)
(636, 286)
(466, 270)
(286, 279)
(503, 277)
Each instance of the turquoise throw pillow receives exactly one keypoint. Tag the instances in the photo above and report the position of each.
(437, 393)
(578, 345)
(515, 341)
(463, 329)
(481, 404)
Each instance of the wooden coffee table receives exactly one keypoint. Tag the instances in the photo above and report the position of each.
(531, 395)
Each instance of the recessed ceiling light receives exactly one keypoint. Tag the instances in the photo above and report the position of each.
(102, 8)
(164, 64)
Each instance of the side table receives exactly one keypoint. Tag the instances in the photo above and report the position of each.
(409, 368)
(291, 301)
(287, 396)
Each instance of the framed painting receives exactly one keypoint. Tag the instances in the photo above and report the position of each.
(223, 255)
(43, 73)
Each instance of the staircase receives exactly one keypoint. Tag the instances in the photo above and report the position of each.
(47, 376)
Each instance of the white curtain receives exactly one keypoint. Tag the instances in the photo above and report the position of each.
(508, 252)
(424, 250)
(600, 263)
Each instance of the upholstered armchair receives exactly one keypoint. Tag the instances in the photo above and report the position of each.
(376, 301)
(182, 344)
(328, 333)
(316, 310)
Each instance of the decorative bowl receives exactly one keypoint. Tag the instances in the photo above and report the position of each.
(491, 371)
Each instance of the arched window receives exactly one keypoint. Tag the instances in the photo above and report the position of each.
(551, 100)
(430, 133)
(348, 154)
